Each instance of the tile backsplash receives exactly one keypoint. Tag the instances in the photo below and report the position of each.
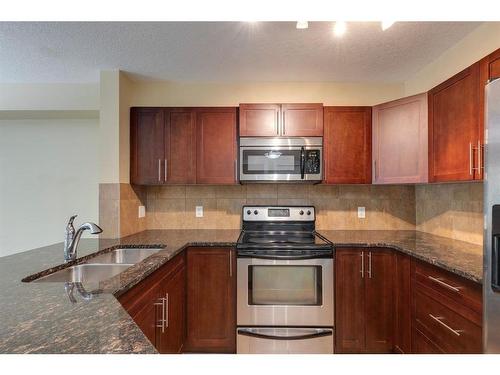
(451, 210)
(387, 207)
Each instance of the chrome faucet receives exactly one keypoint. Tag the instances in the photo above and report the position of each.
(73, 237)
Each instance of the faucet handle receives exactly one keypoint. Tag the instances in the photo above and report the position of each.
(71, 219)
(70, 229)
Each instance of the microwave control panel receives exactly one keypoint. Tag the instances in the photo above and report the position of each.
(312, 162)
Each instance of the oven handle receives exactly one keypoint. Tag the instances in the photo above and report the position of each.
(256, 332)
(284, 257)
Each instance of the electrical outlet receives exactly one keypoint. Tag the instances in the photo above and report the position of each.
(361, 212)
(199, 211)
(142, 211)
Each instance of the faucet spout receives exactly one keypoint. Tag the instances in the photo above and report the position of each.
(73, 238)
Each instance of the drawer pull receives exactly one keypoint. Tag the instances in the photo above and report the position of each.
(439, 319)
(440, 282)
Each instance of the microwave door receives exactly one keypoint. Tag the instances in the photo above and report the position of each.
(271, 164)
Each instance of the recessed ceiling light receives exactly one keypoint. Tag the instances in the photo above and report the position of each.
(302, 24)
(339, 28)
(387, 24)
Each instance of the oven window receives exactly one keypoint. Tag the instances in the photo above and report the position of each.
(271, 161)
(285, 285)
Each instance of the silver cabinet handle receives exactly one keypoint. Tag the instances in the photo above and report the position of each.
(479, 157)
(370, 265)
(470, 158)
(162, 320)
(230, 263)
(166, 310)
(439, 319)
(362, 265)
(236, 170)
(283, 130)
(446, 285)
(375, 169)
(159, 170)
(278, 123)
(166, 170)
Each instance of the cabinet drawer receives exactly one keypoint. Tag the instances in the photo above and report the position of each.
(449, 330)
(454, 287)
(423, 345)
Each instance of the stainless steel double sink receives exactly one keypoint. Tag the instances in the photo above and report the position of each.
(101, 267)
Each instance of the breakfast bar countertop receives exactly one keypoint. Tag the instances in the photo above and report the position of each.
(40, 318)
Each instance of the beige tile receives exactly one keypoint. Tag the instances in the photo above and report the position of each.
(109, 191)
(286, 191)
(231, 191)
(170, 214)
(171, 191)
(323, 191)
(262, 191)
(109, 218)
(294, 201)
(200, 191)
(354, 191)
(209, 219)
(262, 201)
(229, 213)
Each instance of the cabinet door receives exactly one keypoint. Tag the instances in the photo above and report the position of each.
(347, 144)
(402, 289)
(147, 317)
(180, 146)
(379, 300)
(147, 146)
(400, 141)
(490, 65)
(171, 340)
(455, 127)
(216, 146)
(423, 345)
(302, 120)
(349, 301)
(259, 120)
(211, 303)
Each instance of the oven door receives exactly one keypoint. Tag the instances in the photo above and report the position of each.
(280, 163)
(284, 340)
(273, 292)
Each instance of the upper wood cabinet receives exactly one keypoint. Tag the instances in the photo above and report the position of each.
(216, 151)
(287, 120)
(183, 146)
(147, 146)
(347, 145)
(260, 120)
(490, 66)
(455, 128)
(400, 141)
(211, 300)
(364, 303)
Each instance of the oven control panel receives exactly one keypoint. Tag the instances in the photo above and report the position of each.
(278, 213)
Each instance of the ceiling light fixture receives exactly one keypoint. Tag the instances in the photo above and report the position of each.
(302, 24)
(386, 24)
(339, 28)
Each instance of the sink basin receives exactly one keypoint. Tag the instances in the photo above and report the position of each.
(85, 273)
(123, 256)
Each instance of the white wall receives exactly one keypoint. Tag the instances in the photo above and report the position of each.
(48, 171)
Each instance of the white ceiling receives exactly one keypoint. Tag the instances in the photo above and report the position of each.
(222, 51)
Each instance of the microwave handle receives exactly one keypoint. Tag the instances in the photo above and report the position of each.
(314, 332)
(302, 162)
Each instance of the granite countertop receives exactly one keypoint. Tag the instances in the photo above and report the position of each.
(39, 317)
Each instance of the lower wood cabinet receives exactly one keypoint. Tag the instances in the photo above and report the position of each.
(211, 300)
(157, 305)
(364, 303)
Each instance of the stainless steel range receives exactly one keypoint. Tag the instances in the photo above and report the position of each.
(285, 282)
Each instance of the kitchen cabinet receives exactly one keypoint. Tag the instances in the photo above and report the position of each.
(455, 128)
(147, 146)
(402, 299)
(183, 146)
(260, 120)
(490, 66)
(446, 309)
(364, 285)
(287, 120)
(216, 146)
(400, 141)
(157, 305)
(211, 300)
(347, 145)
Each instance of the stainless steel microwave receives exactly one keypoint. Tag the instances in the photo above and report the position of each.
(281, 159)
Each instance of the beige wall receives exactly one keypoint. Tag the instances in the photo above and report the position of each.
(231, 94)
(387, 207)
(473, 47)
(451, 210)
